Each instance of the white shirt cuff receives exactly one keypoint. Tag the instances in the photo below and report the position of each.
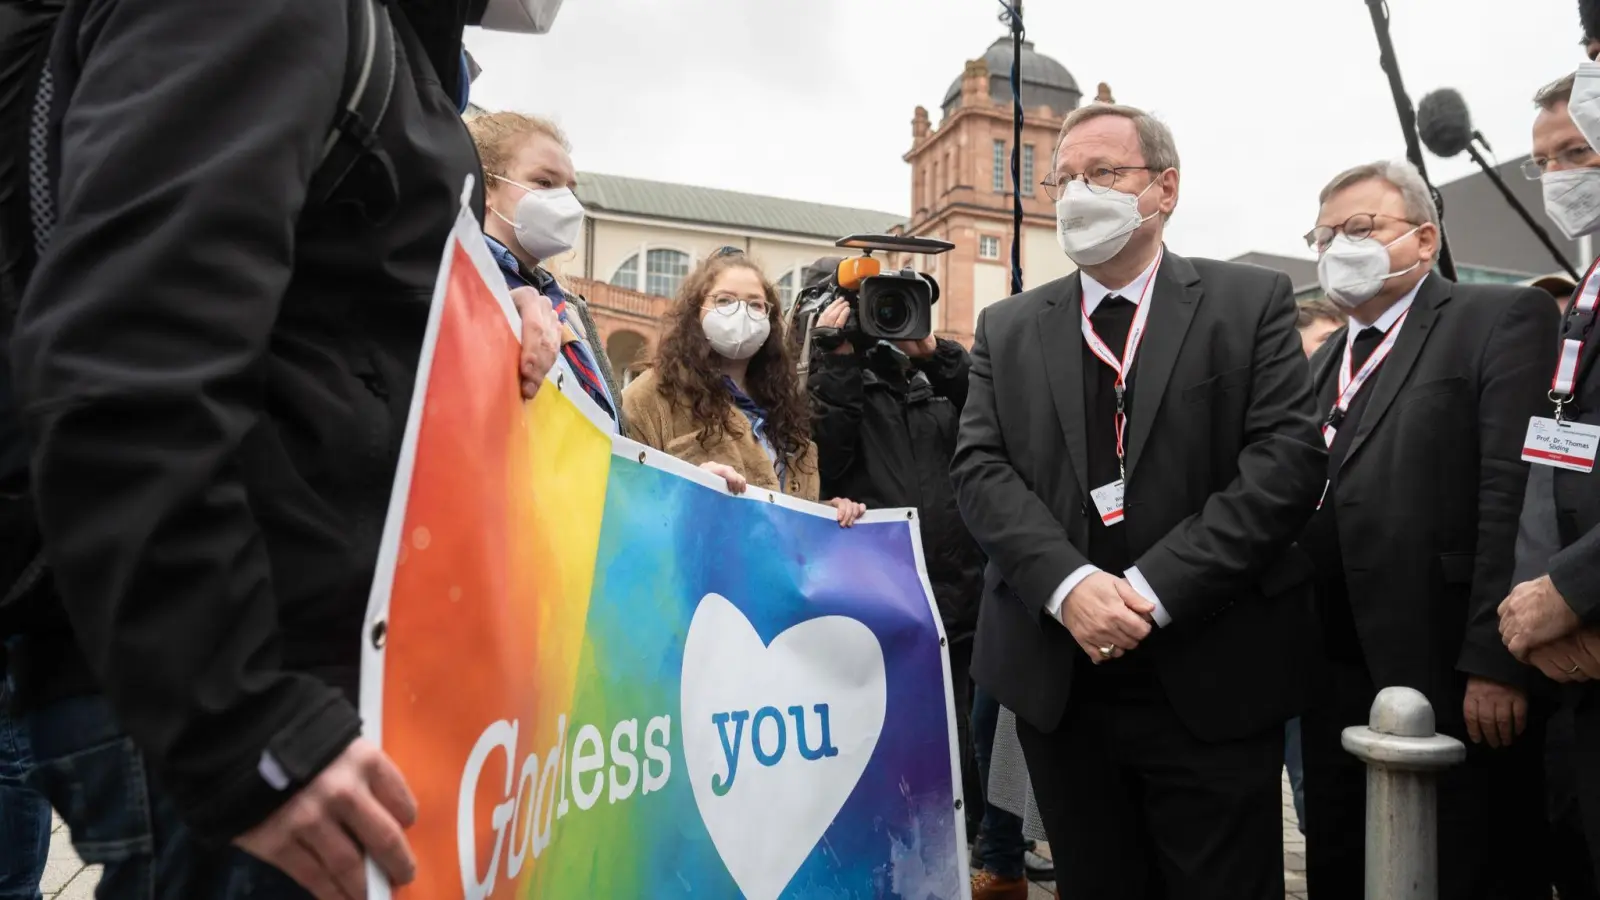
(1066, 587)
(1160, 615)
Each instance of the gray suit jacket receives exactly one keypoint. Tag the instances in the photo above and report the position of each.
(1538, 533)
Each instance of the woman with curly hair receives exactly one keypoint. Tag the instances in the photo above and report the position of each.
(723, 393)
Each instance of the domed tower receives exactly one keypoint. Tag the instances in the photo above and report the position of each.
(961, 186)
(1045, 82)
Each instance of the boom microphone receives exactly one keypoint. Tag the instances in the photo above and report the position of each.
(1443, 123)
(1445, 126)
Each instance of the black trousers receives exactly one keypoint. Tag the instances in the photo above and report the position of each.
(1493, 836)
(1571, 868)
(1137, 808)
(1586, 764)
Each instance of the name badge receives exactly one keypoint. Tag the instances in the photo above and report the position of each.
(1108, 501)
(1565, 445)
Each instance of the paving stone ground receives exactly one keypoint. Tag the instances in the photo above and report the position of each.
(67, 878)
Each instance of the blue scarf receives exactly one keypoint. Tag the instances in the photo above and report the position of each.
(758, 426)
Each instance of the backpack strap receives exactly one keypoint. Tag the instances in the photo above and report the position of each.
(363, 101)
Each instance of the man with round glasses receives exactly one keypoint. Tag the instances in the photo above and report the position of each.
(1424, 400)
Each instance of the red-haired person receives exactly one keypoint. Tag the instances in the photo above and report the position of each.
(723, 393)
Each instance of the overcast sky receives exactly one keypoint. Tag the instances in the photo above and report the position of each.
(812, 99)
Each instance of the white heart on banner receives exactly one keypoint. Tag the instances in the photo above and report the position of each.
(776, 736)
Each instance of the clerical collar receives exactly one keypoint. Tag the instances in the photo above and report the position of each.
(1389, 317)
(1094, 291)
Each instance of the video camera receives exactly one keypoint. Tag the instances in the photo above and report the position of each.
(893, 306)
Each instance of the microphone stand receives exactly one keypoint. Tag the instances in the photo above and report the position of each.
(1538, 230)
(1408, 123)
(1013, 17)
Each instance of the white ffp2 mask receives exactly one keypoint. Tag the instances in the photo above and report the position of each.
(1094, 227)
(1572, 200)
(547, 222)
(1353, 271)
(1584, 107)
(521, 16)
(735, 335)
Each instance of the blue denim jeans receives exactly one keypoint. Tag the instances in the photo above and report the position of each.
(97, 781)
(1297, 770)
(1000, 842)
(24, 815)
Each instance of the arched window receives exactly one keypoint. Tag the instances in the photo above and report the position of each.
(628, 274)
(664, 271)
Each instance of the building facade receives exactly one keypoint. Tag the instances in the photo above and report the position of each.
(642, 238)
(962, 189)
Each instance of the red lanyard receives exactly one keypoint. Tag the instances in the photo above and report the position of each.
(1351, 384)
(1583, 303)
(1130, 349)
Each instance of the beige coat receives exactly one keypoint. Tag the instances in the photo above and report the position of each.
(655, 422)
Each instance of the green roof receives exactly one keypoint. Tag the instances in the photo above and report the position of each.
(710, 206)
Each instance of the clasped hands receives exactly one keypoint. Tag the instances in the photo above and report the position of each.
(1540, 629)
(1106, 616)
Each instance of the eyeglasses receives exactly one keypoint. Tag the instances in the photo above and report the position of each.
(1577, 157)
(727, 305)
(1099, 179)
(1355, 228)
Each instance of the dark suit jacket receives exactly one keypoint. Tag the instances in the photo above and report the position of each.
(1429, 493)
(1224, 463)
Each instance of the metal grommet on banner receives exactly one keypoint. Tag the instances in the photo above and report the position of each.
(958, 803)
(942, 642)
(772, 496)
(380, 634)
(641, 456)
(910, 515)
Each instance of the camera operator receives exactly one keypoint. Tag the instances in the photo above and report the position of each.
(884, 419)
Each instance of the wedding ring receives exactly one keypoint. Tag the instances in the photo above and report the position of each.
(1107, 650)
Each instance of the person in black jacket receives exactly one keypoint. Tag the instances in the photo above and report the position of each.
(885, 425)
(215, 372)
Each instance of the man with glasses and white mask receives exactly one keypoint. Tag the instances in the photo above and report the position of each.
(1137, 453)
(1551, 618)
(1424, 398)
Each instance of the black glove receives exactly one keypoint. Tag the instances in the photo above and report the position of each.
(827, 339)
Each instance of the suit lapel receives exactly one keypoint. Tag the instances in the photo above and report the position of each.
(1176, 293)
(1436, 291)
(1325, 364)
(1061, 340)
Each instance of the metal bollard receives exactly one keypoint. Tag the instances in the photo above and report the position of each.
(1402, 754)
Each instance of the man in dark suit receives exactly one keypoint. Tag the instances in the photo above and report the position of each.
(1149, 648)
(1551, 618)
(1426, 395)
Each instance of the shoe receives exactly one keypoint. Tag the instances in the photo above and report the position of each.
(986, 885)
(1038, 868)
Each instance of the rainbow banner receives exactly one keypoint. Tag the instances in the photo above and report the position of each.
(605, 677)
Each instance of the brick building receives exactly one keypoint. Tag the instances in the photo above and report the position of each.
(961, 188)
